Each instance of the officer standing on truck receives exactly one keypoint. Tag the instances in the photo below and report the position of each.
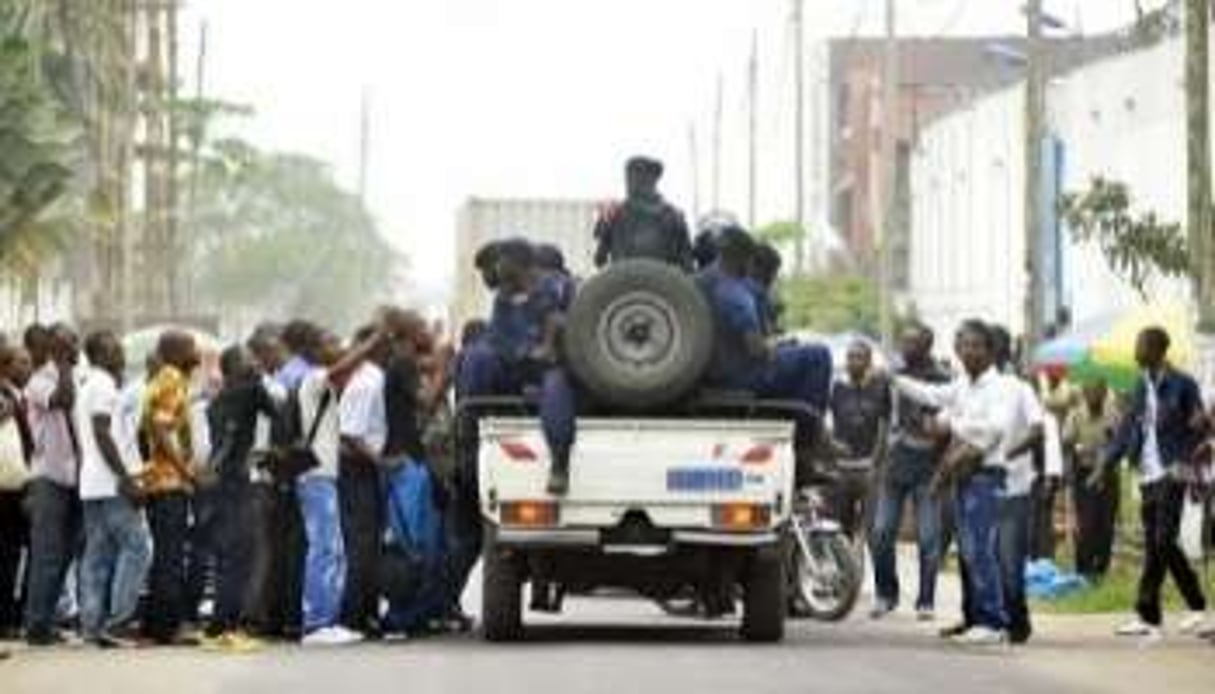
(645, 225)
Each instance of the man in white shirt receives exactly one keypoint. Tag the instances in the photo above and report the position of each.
(975, 409)
(118, 545)
(53, 495)
(1029, 428)
(323, 501)
(364, 429)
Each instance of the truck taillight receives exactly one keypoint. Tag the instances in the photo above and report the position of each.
(518, 451)
(529, 514)
(741, 516)
(759, 454)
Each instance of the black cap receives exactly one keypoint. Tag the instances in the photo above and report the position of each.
(518, 249)
(646, 166)
(550, 257)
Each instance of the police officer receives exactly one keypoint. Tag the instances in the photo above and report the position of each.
(743, 357)
(645, 225)
(519, 349)
(550, 262)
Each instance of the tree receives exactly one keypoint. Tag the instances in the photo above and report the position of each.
(275, 235)
(38, 139)
(781, 233)
(1136, 247)
(830, 303)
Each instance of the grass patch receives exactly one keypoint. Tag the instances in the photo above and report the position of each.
(1116, 593)
(1119, 589)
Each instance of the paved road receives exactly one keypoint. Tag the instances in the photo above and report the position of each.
(622, 647)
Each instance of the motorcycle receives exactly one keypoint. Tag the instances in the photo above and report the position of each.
(824, 567)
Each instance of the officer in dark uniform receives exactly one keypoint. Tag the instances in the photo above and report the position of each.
(553, 272)
(743, 356)
(644, 225)
(519, 349)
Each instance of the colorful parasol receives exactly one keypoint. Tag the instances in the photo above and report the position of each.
(1104, 349)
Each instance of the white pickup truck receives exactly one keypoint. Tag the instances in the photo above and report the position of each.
(658, 505)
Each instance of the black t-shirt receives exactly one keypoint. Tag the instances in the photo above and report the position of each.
(232, 418)
(401, 385)
(645, 227)
(911, 415)
(857, 411)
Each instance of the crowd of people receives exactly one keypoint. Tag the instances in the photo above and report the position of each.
(324, 490)
(308, 485)
(982, 455)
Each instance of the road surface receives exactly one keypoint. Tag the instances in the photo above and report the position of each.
(615, 646)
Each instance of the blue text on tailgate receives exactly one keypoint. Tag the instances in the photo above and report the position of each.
(704, 479)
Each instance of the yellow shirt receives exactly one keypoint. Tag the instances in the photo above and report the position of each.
(167, 405)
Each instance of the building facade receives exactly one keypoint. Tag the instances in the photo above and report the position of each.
(937, 76)
(1121, 118)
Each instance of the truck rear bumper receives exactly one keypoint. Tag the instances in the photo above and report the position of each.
(577, 538)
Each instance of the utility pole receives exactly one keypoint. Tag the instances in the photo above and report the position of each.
(694, 162)
(197, 133)
(1035, 129)
(890, 205)
(364, 141)
(753, 131)
(1198, 159)
(126, 227)
(153, 268)
(173, 241)
(799, 133)
(718, 115)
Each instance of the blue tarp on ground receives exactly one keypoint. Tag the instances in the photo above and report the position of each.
(1046, 581)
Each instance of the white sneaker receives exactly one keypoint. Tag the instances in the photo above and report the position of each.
(332, 636)
(982, 636)
(1138, 627)
(1194, 623)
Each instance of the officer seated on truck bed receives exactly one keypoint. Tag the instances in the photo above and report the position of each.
(645, 225)
(743, 357)
(519, 349)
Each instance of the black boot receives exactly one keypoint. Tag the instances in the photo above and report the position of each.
(559, 474)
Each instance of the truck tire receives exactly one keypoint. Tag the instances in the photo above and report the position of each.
(764, 597)
(501, 593)
(639, 335)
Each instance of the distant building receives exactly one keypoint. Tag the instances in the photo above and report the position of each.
(568, 224)
(936, 77)
(1120, 118)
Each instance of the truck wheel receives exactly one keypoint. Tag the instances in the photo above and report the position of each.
(764, 597)
(639, 335)
(501, 592)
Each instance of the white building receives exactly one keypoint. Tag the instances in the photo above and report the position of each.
(1121, 118)
(568, 224)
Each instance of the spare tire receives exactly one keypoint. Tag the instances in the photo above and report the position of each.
(639, 335)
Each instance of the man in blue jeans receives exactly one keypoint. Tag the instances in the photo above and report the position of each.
(1027, 430)
(53, 496)
(325, 564)
(907, 478)
(975, 412)
(118, 544)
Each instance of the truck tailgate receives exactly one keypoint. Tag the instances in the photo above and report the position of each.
(675, 471)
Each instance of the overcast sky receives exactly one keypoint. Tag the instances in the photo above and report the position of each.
(529, 97)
